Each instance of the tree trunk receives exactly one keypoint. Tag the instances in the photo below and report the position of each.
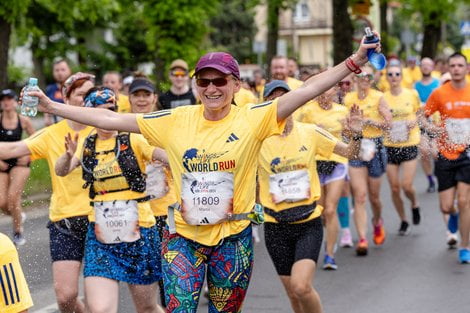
(159, 73)
(5, 31)
(384, 26)
(342, 31)
(432, 35)
(273, 32)
(38, 64)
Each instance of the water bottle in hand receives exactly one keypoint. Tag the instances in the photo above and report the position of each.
(377, 60)
(29, 105)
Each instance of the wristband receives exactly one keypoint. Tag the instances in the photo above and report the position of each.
(357, 137)
(352, 66)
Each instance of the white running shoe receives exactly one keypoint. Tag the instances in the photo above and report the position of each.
(452, 240)
(18, 239)
(346, 238)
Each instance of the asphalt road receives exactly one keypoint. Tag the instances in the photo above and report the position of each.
(415, 274)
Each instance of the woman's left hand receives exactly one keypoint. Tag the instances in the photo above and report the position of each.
(355, 121)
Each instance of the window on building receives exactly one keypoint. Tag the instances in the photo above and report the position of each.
(301, 11)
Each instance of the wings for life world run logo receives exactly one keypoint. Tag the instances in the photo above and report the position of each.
(280, 166)
(195, 161)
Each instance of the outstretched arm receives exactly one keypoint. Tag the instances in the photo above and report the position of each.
(318, 84)
(15, 149)
(101, 118)
(67, 162)
(353, 129)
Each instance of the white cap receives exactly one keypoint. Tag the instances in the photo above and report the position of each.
(128, 80)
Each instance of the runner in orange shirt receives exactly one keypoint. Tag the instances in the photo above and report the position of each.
(452, 167)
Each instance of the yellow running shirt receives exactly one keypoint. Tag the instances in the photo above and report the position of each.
(296, 152)
(244, 97)
(14, 293)
(68, 197)
(403, 108)
(163, 197)
(124, 106)
(304, 114)
(225, 148)
(332, 121)
(370, 106)
(108, 166)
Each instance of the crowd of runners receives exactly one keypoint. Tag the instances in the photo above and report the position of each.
(165, 192)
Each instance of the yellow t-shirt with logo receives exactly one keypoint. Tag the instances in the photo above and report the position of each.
(244, 97)
(160, 205)
(68, 197)
(294, 152)
(304, 114)
(108, 166)
(403, 108)
(370, 106)
(14, 294)
(124, 106)
(230, 145)
(332, 121)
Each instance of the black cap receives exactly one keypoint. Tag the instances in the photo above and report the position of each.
(7, 93)
(141, 84)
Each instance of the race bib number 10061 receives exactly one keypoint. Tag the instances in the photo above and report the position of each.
(207, 198)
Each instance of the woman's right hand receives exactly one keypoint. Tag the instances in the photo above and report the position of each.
(45, 104)
(71, 144)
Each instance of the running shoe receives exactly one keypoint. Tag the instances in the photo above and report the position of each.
(329, 263)
(464, 256)
(404, 228)
(431, 188)
(362, 247)
(23, 217)
(416, 215)
(379, 233)
(18, 239)
(453, 223)
(452, 240)
(346, 238)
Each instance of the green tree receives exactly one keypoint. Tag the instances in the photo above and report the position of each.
(10, 12)
(233, 28)
(177, 29)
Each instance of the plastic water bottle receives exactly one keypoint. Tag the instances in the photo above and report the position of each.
(29, 105)
(377, 60)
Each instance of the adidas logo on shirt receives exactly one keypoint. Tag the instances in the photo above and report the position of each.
(232, 138)
(204, 221)
(303, 148)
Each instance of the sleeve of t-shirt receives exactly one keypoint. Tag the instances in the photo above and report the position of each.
(141, 147)
(416, 101)
(37, 144)
(263, 119)
(156, 127)
(325, 142)
(432, 104)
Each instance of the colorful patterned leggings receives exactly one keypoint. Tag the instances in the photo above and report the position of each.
(229, 267)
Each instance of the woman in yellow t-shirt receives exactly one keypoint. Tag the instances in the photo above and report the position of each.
(122, 242)
(213, 150)
(402, 139)
(366, 174)
(69, 208)
(333, 171)
(290, 190)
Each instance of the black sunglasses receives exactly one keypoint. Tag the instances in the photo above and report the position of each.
(393, 74)
(218, 82)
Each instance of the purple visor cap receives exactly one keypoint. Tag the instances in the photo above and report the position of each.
(221, 61)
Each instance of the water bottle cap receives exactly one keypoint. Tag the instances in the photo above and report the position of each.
(33, 81)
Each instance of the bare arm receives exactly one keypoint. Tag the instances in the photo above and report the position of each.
(353, 129)
(27, 125)
(15, 149)
(318, 84)
(101, 118)
(67, 162)
(160, 155)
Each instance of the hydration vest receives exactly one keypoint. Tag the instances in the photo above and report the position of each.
(126, 159)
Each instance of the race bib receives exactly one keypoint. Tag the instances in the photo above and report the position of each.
(399, 132)
(289, 186)
(368, 149)
(116, 221)
(157, 184)
(458, 130)
(207, 198)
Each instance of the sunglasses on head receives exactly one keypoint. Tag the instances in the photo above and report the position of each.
(179, 73)
(218, 82)
(393, 74)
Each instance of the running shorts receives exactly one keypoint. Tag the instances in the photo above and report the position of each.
(340, 172)
(450, 172)
(377, 166)
(67, 238)
(398, 155)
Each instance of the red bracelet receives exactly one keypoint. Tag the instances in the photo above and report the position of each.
(352, 66)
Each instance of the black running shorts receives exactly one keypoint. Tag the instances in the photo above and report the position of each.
(288, 243)
(450, 172)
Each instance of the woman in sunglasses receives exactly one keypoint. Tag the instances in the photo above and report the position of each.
(122, 242)
(366, 173)
(402, 140)
(212, 150)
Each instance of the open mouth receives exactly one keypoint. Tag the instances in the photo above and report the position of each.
(213, 97)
